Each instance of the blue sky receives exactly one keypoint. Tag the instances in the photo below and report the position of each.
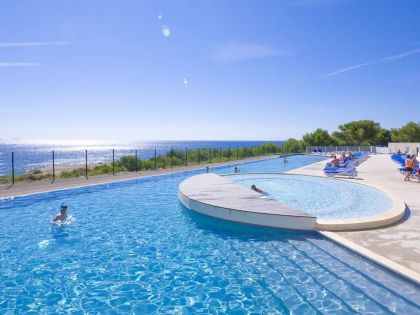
(207, 69)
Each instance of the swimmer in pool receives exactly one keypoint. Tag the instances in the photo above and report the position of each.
(254, 188)
(285, 160)
(62, 216)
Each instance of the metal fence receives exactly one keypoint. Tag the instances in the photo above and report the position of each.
(58, 164)
(335, 148)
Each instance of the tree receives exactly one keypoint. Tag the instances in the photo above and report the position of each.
(318, 138)
(363, 132)
(293, 146)
(408, 133)
(384, 137)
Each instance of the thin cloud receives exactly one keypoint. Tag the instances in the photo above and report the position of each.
(33, 44)
(240, 52)
(402, 55)
(310, 3)
(365, 64)
(19, 64)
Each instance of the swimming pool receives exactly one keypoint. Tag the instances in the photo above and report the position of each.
(321, 197)
(134, 248)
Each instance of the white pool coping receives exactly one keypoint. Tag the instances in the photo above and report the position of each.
(379, 259)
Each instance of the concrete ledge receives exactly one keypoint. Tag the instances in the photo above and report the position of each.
(381, 260)
(215, 196)
(392, 216)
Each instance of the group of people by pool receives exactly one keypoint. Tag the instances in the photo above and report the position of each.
(411, 166)
(344, 157)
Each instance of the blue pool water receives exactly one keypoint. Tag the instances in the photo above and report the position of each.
(322, 197)
(133, 248)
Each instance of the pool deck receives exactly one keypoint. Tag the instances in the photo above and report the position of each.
(396, 246)
(27, 188)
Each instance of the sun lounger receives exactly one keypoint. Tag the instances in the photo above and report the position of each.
(331, 171)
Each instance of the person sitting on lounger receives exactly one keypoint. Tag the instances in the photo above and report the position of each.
(254, 188)
(409, 167)
(334, 162)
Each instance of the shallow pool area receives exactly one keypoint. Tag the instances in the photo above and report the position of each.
(134, 248)
(321, 197)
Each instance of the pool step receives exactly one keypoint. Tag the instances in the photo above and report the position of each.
(359, 280)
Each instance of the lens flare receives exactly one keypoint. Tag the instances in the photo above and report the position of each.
(166, 31)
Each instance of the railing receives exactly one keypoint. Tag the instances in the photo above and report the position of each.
(330, 149)
(114, 161)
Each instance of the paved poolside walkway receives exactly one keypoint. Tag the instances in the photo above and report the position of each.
(399, 243)
(44, 186)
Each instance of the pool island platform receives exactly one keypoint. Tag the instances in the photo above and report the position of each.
(218, 197)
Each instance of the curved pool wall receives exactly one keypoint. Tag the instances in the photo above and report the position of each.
(134, 248)
(379, 208)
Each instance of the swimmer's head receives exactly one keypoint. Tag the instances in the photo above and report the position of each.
(63, 208)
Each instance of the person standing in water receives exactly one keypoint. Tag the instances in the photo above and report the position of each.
(62, 216)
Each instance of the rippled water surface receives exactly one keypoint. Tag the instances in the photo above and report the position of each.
(322, 197)
(134, 248)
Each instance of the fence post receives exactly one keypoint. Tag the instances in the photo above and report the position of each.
(155, 159)
(186, 156)
(13, 168)
(86, 165)
(113, 162)
(172, 158)
(137, 162)
(198, 157)
(53, 162)
(210, 154)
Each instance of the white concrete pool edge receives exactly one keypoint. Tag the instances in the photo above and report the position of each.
(380, 260)
(391, 216)
(248, 217)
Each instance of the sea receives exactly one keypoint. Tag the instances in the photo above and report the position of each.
(31, 156)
